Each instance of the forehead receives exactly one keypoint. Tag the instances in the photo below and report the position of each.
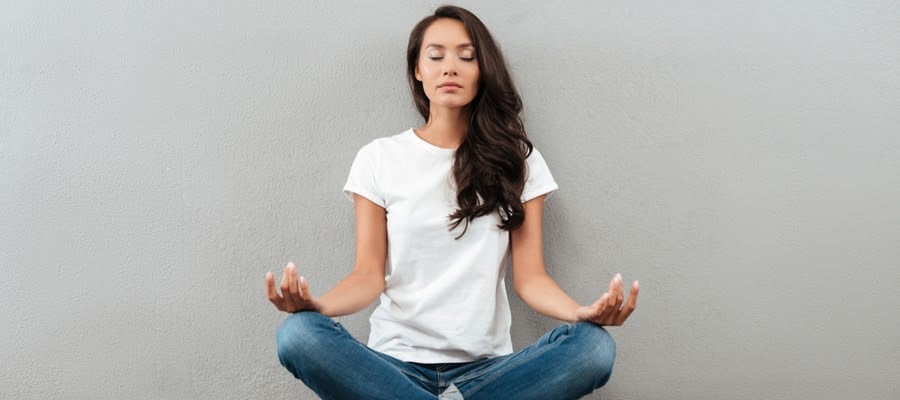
(447, 33)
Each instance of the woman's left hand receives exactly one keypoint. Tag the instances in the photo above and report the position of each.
(609, 310)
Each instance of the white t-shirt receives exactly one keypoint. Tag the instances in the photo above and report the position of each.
(444, 299)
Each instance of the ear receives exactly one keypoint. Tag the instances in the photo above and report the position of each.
(418, 76)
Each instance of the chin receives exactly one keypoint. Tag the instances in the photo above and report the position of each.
(455, 103)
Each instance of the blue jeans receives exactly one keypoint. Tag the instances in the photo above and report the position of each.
(566, 363)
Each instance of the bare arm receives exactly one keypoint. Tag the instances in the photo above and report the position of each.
(363, 285)
(530, 279)
(537, 289)
(359, 288)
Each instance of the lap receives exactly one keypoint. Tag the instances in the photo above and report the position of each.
(570, 361)
(331, 362)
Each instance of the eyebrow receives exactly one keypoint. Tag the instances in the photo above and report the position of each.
(440, 46)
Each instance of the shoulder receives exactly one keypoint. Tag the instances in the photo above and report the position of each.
(535, 161)
(387, 144)
(535, 156)
(399, 140)
(539, 180)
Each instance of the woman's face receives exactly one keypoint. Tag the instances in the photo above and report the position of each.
(447, 66)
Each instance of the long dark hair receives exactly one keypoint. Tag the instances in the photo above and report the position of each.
(489, 168)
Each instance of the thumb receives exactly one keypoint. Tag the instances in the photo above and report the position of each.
(304, 289)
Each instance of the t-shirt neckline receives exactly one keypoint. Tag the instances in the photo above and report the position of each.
(424, 143)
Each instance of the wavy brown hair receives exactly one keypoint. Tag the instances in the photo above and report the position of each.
(489, 165)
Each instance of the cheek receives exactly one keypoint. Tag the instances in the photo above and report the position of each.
(426, 72)
(475, 73)
(431, 73)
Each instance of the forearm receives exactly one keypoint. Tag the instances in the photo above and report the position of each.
(544, 295)
(353, 293)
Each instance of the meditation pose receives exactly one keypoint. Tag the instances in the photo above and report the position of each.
(440, 212)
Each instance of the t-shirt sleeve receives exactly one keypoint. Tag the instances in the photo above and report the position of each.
(362, 178)
(539, 181)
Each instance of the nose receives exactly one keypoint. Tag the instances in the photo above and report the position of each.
(449, 66)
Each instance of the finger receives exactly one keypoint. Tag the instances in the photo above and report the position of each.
(294, 286)
(615, 287)
(590, 312)
(304, 289)
(271, 293)
(600, 304)
(270, 286)
(603, 313)
(618, 297)
(285, 280)
(286, 288)
(631, 304)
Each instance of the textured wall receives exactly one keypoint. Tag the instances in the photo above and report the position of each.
(741, 160)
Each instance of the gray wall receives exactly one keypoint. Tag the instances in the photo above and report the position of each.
(741, 160)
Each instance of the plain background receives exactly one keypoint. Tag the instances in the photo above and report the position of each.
(741, 159)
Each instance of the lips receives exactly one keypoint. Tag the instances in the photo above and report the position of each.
(449, 85)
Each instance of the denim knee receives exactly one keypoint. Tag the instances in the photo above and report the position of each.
(599, 351)
(300, 335)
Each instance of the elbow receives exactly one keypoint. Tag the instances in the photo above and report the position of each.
(379, 288)
(520, 286)
(527, 281)
(373, 283)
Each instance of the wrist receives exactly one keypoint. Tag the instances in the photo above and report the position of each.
(577, 314)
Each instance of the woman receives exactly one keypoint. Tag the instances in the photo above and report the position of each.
(438, 208)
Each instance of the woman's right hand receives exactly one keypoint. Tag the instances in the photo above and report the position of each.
(295, 295)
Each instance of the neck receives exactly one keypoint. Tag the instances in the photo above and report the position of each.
(445, 127)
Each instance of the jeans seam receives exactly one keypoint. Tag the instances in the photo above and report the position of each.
(418, 378)
(340, 328)
(403, 371)
(517, 363)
